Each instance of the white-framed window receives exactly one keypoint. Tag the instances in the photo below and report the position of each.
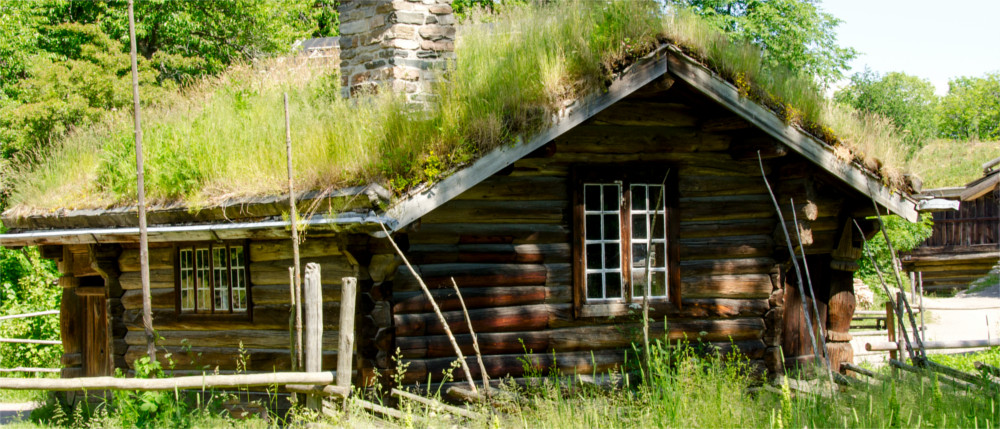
(624, 250)
(212, 278)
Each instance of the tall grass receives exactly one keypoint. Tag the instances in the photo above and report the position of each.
(223, 138)
(943, 163)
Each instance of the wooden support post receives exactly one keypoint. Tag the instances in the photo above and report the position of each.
(313, 295)
(345, 349)
(890, 326)
(291, 319)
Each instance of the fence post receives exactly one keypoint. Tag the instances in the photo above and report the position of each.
(345, 349)
(313, 300)
(890, 326)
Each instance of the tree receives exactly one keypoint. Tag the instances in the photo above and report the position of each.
(908, 101)
(971, 109)
(791, 33)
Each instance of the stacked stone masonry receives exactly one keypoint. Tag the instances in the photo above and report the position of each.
(404, 45)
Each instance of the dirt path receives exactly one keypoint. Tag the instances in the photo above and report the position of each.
(966, 316)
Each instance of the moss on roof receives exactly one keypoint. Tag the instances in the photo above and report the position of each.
(224, 138)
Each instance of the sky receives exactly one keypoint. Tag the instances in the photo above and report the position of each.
(932, 39)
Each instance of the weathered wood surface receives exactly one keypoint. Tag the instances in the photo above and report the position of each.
(521, 318)
(169, 383)
(727, 286)
(610, 139)
(489, 211)
(276, 272)
(264, 317)
(453, 233)
(251, 338)
(490, 253)
(346, 337)
(475, 298)
(482, 275)
(276, 250)
(597, 337)
(208, 358)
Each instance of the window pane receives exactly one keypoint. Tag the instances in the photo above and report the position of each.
(638, 254)
(638, 227)
(659, 283)
(611, 195)
(614, 285)
(593, 227)
(202, 288)
(221, 277)
(594, 256)
(659, 255)
(638, 197)
(187, 279)
(612, 255)
(592, 197)
(638, 282)
(594, 286)
(239, 278)
(611, 227)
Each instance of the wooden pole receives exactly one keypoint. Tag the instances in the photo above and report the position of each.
(291, 319)
(295, 239)
(437, 310)
(147, 313)
(795, 263)
(475, 340)
(313, 294)
(899, 282)
(436, 405)
(649, 278)
(812, 292)
(345, 349)
(187, 382)
(885, 287)
(890, 325)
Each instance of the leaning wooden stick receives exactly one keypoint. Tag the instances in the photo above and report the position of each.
(646, 274)
(437, 310)
(812, 293)
(881, 279)
(291, 319)
(899, 282)
(295, 240)
(475, 340)
(795, 263)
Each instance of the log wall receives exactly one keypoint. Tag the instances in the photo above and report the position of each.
(507, 242)
(204, 342)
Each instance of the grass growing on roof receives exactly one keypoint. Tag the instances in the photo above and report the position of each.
(224, 138)
(946, 163)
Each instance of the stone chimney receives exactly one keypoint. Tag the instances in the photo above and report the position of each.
(401, 44)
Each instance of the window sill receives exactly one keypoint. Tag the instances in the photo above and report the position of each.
(615, 309)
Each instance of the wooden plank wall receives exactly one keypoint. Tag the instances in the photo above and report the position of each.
(976, 222)
(198, 344)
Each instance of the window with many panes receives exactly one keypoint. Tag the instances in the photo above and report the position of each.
(212, 279)
(624, 241)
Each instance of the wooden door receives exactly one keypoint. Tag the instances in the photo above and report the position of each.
(95, 344)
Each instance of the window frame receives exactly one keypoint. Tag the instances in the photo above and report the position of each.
(626, 175)
(211, 313)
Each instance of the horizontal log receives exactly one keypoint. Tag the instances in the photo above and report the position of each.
(159, 298)
(208, 358)
(599, 337)
(748, 246)
(276, 272)
(727, 266)
(264, 317)
(954, 267)
(499, 319)
(276, 250)
(161, 258)
(231, 338)
(280, 294)
(507, 188)
(158, 279)
(475, 275)
(146, 384)
(725, 228)
(636, 140)
(319, 389)
(567, 363)
(708, 186)
(475, 298)
(647, 114)
(485, 211)
(727, 286)
(724, 124)
(935, 345)
(726, 208)
(489, 253)
(453, 233)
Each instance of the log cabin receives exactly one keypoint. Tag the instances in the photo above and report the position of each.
(655, 187)
(964, 245)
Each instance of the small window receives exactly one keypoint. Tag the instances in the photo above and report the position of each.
(212, 279)
(625, 250)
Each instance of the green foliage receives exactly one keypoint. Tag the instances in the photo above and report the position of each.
(26, 284)
(971, 110)
(907, 100)
(795, 34)
(905, 236)
(943, 163)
